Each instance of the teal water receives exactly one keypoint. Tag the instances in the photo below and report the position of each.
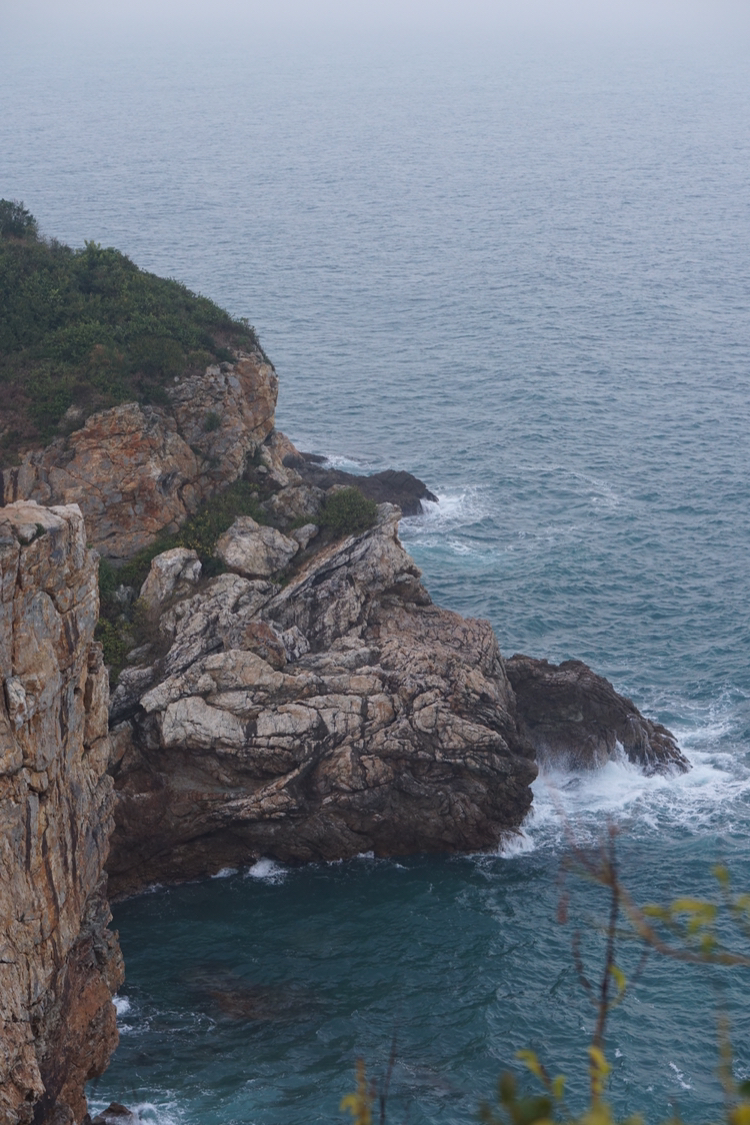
(518, 268)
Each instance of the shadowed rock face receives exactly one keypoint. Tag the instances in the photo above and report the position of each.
(576, 719)
(389, 727)
(59, 964)
(135, 470)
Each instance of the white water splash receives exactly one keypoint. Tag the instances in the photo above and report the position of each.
(519, 843)
(122, 1005)
(455, 509)
(267, 870)
(579, 802)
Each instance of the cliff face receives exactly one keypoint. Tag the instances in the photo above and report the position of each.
(59, 964)
(339, 714)
(134, 470)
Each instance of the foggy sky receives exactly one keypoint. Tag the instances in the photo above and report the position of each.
(678, 17)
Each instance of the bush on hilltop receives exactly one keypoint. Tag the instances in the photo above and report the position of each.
(88, 329)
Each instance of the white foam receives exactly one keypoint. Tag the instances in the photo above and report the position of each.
(680, 1076)
(145, 1113)
(150, 1114)
(225, 873)
(578, 802)
(122, 1005)
(601, 494)
(455, 508)
(267, 870)
(348, 464)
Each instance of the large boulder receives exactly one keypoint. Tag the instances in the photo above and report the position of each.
(255, 551)
(171, 573)
(389, 726)
(391, 486)
(59, 963)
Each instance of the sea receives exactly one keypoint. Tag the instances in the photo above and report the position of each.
(515, 262)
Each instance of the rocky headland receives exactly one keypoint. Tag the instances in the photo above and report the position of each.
(273, 680)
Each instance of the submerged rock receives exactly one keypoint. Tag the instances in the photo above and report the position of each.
(115, 1114)
(576, 719)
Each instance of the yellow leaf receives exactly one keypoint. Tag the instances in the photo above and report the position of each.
(530, 1059)
(558, 1087)
(689, 906)
(654, 911)
(598, 1061)
(722, 874)
(619, 976)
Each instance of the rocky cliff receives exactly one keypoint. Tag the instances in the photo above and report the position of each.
(59, 963)
(311, 703)
(288, 690)
(136, 470)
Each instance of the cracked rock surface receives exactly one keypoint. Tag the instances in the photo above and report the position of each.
(136, 470)
(59, 963)
(375, 722)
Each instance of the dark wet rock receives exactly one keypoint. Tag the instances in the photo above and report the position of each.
(576, 719)
(115, 1114)
(388, 487)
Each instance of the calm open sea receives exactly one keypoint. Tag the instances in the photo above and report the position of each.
(519, 268)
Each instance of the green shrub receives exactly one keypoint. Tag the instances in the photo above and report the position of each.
(211, 422)
(199, 533)
(116, 642)
(88, 327)
(348, 512)
(108, 579)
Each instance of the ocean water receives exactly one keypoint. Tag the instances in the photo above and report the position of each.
(518, 267)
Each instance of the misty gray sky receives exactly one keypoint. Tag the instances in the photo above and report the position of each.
(678, 17)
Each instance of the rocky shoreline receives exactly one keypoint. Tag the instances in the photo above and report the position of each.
(294, 695)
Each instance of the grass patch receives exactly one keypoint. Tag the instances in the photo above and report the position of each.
(348, 512)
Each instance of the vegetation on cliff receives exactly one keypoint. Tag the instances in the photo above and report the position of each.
(87, 329)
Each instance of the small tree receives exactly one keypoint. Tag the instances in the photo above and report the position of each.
(16, 221)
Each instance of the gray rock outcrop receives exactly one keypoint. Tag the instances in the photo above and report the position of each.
(255, 551)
